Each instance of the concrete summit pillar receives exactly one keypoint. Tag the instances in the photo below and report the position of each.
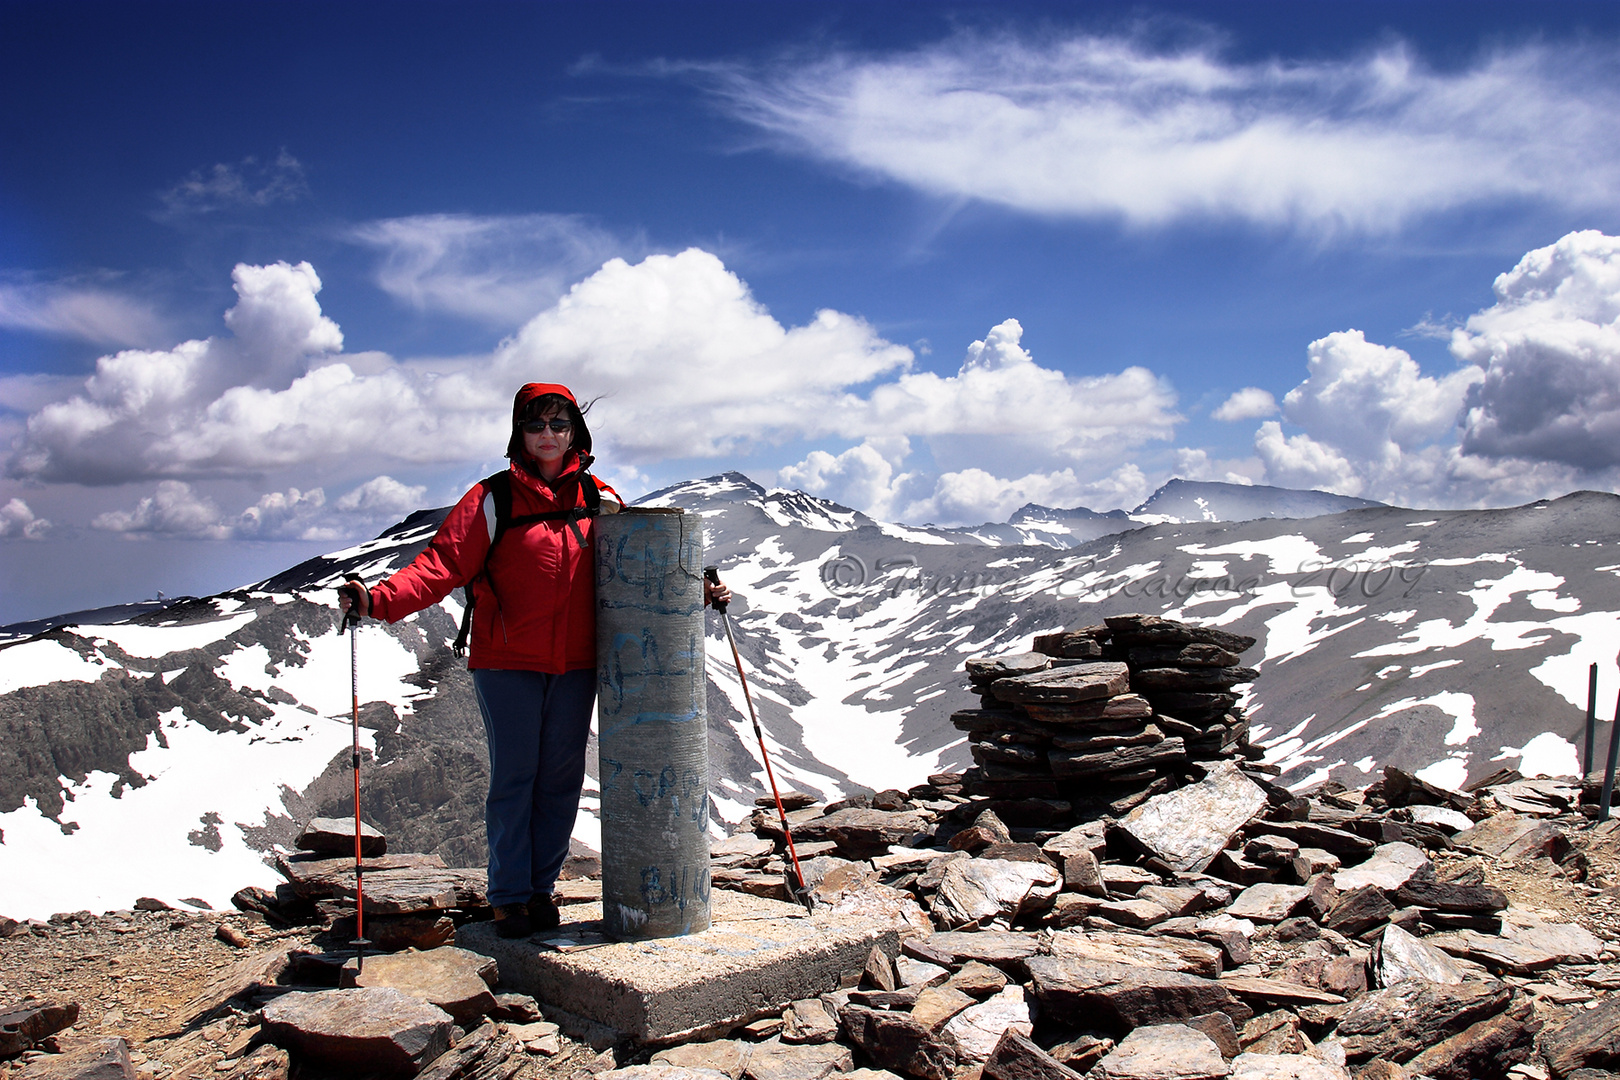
(652, 723)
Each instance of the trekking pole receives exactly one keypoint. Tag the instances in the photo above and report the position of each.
(712, 574)
(1591, 720)
(351, 623)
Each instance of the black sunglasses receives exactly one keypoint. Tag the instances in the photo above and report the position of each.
(559, 424)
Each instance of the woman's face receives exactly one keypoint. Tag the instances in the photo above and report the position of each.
(548, 446)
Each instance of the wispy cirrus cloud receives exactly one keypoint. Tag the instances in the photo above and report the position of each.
(1116, 127)
(497, 269)
(81, 308)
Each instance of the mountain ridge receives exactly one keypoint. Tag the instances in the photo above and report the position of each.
(1449, 643)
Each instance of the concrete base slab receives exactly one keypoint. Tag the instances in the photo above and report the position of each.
(756, 957)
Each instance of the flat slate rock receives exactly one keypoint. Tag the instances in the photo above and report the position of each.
(414, 891)
(1279, 990)
(1164, 1052)
(976, 891)
(1121, 997)
(335, 836)
(1111, 761)
(83, 1058)
(1311, 834)
(456, 980)
(1481, 1048)
(893, 1040)
(1531, 949)
(1587, 1039)
(1400, 1022)
(1016, 1057)
(990, 668)
(1142, 950)
(1187, 828)
(1121, 707)
(1078, 682)
(1444, 896)
(728, 1057)
(27, 1022)
(1286, 1067)
(857, 831)
(1132, 630)
(314, 876)
(1501, 834)
(251, 973)
(976, 1029)
(1004, 949)
(1443, 818)
(1400, 956)
(373, 1029)
(1267, 903)
(1389, 867)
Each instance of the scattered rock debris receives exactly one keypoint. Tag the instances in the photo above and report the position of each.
(1117, 889)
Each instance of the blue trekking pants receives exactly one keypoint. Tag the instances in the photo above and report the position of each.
(536, 725)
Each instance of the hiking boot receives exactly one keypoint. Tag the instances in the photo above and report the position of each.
(543, 911)
(512, 921)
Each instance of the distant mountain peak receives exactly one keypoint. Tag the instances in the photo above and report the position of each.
(1211, 500)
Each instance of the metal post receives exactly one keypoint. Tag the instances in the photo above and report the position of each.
(1608, 770)
(1591, 720)
(652, 723)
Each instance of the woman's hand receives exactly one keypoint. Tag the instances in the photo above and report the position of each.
(354, 596)
(715, 592)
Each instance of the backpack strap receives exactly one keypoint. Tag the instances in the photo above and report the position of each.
(497, 518)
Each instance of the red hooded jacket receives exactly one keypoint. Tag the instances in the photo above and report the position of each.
(535, 594)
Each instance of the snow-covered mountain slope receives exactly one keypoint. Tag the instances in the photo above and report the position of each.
(160, 756)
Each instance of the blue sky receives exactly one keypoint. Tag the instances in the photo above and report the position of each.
(269, 273)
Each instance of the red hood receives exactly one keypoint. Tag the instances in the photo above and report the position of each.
(529, 391)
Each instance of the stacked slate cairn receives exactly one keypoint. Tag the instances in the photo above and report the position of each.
(1097, 720)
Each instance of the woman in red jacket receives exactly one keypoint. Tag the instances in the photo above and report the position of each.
(533, 647)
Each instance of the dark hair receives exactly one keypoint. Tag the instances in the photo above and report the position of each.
(538, 406)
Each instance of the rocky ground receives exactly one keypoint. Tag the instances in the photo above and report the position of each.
(1197, 921)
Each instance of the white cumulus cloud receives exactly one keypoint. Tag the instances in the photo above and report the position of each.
(1532, 411)
(1549, 350)
(683, 361)
(174, 509)
(1249, 403)
(1116, 127)
(18, 522)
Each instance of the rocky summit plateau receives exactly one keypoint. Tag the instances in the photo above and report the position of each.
(1225, 793)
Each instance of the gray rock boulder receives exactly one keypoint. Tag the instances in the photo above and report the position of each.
(1187, 828)
(32, 1019)
(1286, 1067)
(1119, 997)
(976, 1029)
(1164, 1052)
(1016, 1057)
(893, 1040)
(335, 836)
(1400, 956)
(83, 1058)
(368, 1029)
(455, 980)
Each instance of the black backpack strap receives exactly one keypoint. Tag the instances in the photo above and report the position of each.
(498, 487)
